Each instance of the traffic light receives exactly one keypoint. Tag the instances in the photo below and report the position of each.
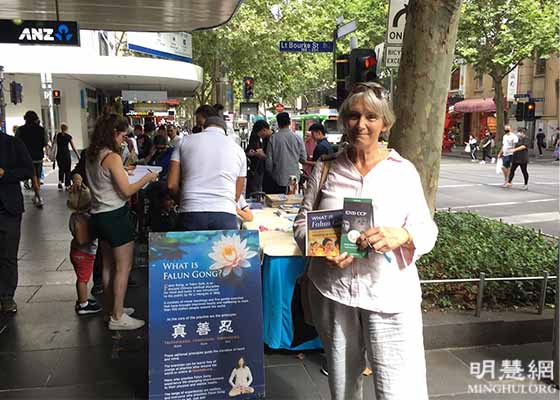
(342, 71)
(520, 112)
(363, 65)
(56, 96)
(248, 83)
(530, 111)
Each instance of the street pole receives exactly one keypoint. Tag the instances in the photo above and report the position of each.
(2, 102)
(556, 330)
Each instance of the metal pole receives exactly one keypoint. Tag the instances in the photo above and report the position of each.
(57, 11)
(556, 330)
(334, 54)
(543, 293)
(2, 103)
(480, 295)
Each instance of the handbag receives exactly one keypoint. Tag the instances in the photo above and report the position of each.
(467, 148)
(302, 321)
(53, 149)
(499, 165)
(79, 199)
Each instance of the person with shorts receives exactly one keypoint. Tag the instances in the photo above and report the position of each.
(82, 256)
(506, 153)
(110, 216)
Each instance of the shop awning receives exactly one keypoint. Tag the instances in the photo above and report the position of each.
(475, 105)
(127, 15)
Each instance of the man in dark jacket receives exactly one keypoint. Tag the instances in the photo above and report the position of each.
(15, 166)
(35, 139)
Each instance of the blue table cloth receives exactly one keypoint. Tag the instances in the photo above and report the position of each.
(279, 279)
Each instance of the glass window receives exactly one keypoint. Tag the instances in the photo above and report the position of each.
(540, 66)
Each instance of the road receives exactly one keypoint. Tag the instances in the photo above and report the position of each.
(470, 186)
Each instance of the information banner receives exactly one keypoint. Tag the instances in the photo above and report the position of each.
(205, 308)
(171, 45)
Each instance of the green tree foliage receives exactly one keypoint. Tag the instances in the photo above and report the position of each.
(496, 35)
(249, 45)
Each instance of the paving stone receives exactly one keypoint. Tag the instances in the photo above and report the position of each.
(50, 293)
(446, 373)
(26, 369)
(289, 382)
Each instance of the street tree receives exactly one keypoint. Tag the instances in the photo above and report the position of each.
(495, 36)
(420, 98)
(249, 45)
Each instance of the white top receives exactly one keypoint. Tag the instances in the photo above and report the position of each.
(210, 165)
(176, 141)
(104, 195)
(508, 144)
(241, 377)
(380, 283)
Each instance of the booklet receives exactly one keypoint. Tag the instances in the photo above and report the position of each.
(357, 217)
(323, 233)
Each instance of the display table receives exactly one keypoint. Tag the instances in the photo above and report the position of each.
(282, 265)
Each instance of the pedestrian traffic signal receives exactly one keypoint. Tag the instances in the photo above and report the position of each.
(520, 112)
(530, 111)
(363, 65)
(248, 83)
(342, 71)
(16, 90)
(56, 96)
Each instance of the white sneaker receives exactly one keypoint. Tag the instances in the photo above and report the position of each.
(125, 323)
(126, 310)
(524, 187)
(493, 161)
(483, 162)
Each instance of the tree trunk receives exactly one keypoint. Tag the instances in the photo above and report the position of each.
(421, 95)
(499, 100)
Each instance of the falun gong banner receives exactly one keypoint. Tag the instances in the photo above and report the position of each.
(205, 316)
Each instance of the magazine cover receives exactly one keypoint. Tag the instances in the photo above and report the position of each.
(357, 218)
(323, 233)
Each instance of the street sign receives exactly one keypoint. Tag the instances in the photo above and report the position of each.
(393, 56)
(248, 108)
(346, 29)
(537, 99)
(51, 33)
(306, 47)
(521, 96)
(396, 22)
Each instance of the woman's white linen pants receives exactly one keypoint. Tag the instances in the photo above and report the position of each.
(393, 343)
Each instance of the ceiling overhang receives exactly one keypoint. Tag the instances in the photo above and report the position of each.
(127, 15)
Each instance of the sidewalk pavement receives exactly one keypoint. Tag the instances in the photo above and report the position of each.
(48, 352)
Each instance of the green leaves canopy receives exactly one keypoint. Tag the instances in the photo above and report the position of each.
(249, 45)
(496, 35)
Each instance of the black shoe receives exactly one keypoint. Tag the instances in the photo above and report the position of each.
(9, 305)
(325, 371)
(60, 186)
(97, 290)
(90, 308)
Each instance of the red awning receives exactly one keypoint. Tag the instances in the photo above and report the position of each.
(475, 105)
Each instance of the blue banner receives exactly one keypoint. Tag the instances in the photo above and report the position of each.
(306, 47)
(205, 308)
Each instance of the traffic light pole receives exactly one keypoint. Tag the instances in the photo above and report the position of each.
(2, 102)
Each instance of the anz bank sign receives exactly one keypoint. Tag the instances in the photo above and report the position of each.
(61, 33)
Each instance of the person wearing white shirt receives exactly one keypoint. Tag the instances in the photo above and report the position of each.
(506, 153)
(240, 380)
(371, 305)
(174, 138)
(209, 171)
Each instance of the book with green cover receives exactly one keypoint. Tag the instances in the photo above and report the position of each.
(357, 217)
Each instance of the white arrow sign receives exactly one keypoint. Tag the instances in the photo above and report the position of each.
(346, 29)
(396, 21)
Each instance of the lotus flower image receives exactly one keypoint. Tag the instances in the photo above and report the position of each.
(231, 254)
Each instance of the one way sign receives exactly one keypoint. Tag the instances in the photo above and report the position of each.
(396, 22)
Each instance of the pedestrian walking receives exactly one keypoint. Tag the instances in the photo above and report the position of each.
(371, 306)
(486, 145)
(520, 159)
(506, 153)
(15, 166)
(63, 159)
(541, 141)
(33, 135)
(256, 154)
(473, 146)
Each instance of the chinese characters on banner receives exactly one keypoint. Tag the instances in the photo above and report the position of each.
(205, 316)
